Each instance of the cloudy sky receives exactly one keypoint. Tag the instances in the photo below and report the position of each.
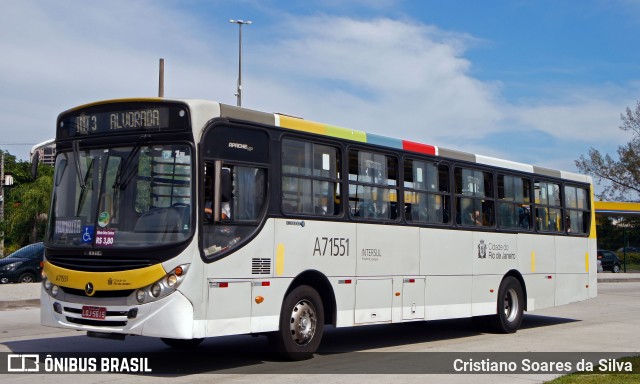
(534, 81)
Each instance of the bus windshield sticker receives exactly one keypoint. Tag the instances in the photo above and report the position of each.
(69, 226)
(87, 234)
(103, 219)
(105, 237)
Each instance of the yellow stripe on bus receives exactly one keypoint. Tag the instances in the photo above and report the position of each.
(586, 262)
(303, 125)
(322, 129)
(533, 261)
(104, 281)
(280, 259)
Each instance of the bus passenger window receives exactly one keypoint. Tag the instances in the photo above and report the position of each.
(426, 196)
(578, 216)
(310, 178)
(549, 212)
(474, 197)
(372, 186)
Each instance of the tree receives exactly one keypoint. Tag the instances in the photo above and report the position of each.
(621, 177)
(26, 204)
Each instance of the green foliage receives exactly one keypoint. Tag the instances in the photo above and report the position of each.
(26, 204)
(620, 177)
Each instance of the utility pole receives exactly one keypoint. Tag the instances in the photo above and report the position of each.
(161, 79)
(239, 90)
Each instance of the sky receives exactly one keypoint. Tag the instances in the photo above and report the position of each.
(533, 81)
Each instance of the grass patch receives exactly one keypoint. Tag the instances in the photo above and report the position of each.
(603, 378)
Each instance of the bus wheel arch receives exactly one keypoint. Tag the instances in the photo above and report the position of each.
(307, 306)
(321, 284)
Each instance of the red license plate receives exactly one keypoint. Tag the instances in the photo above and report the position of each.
(99, 313)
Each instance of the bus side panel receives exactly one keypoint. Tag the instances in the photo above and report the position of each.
(572, 267)
(448, 297)
(494, 253)
(571, 255)
(387, 250)
(537, 264)
(445, 258)
(229, 283)
(445, 252)
(390, 251)
(484, 297)
(325, 246)
(536, 254)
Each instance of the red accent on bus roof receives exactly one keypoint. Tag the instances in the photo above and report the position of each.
(223, 285)
(418, 147)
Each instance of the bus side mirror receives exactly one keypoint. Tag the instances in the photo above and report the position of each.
(35, 159)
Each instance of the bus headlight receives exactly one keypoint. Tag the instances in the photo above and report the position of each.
(140, 296)
(163, 287)
(54, 290)
(156, 289)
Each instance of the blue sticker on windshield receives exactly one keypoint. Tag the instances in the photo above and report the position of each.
(87, 234)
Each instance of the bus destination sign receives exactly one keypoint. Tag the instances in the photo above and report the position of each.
(145, 119)
(111, 119)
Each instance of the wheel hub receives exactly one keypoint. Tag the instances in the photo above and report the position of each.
(303, 322)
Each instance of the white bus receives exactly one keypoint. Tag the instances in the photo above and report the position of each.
(189, 219)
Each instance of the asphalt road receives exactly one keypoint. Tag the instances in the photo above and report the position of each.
(608, 323)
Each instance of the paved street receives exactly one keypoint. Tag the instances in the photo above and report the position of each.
(608, 323)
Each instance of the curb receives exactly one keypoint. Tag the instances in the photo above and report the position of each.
(14, 304)
(620, 280)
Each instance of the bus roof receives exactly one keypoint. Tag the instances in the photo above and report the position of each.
(300, 124)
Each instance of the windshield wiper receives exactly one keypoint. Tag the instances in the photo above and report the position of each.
(76, 155)
(83, 186)
(125, 167)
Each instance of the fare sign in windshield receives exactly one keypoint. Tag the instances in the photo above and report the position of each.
(120, 117)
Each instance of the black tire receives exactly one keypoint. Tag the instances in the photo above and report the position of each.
(510, 306)
(27, 277)
(301, 324)
(182, 343)
(615, 268)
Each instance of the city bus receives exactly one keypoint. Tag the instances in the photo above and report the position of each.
(191, 219)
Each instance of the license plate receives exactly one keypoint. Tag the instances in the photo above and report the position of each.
(99, 313)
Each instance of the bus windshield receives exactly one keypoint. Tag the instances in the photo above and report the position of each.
(130, 196)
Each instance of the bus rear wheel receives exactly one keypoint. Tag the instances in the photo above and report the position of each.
(301, 324)
(510, 306)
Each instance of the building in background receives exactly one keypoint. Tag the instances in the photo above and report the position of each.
(46, 152)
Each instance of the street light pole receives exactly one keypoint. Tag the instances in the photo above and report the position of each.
(239, 89)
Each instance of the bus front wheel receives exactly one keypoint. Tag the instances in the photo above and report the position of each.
(301, 324)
